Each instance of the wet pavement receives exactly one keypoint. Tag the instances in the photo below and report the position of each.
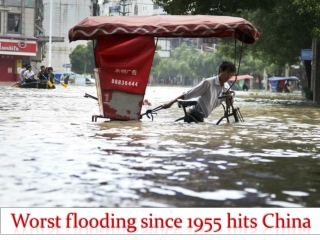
(52, 155)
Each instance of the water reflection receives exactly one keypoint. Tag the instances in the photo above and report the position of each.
(53, 155)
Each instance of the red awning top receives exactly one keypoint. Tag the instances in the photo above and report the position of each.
(166, 26)
(241, 77)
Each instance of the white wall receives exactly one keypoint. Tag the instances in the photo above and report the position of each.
(29, 22)
(66, 14)
(145, 8)
(1, 22)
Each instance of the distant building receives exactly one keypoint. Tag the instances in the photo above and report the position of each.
(66, 14)
(131, 8)
(20, 32)
(148, 8)
(137, 8)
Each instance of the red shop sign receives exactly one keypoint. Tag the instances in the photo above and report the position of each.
(21, 46)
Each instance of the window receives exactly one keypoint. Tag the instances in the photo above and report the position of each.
(14, 23)
(155, 6)
(1, 2)
(29, 3)
(14, 3)
(136, 9)
(114, 9)
(209, 40)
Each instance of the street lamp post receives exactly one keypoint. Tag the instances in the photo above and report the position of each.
(125, 6)
(50, 34)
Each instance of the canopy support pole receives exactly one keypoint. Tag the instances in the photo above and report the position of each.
(235, 56)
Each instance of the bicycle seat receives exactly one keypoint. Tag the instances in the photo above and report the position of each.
(187, 103)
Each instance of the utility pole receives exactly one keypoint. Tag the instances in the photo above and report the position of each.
(50, 34)
(315, 71)
(95, 8)
(124, 4)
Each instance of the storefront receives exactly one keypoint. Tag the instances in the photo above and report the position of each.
(14, 52)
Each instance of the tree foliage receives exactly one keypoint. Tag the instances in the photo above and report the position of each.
(286, 26)
(212, 7)
(311, 8)
(82, 59)
(189, 62)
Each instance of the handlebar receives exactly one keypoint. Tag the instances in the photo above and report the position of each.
(90, 96)
(232, 93)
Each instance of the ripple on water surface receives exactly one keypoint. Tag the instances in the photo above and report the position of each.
(53, 155)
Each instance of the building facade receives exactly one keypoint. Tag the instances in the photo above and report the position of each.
(20, 27)
(130, 8)
(65, 15)
(137, 8)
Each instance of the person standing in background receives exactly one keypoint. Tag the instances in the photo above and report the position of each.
(21, 72)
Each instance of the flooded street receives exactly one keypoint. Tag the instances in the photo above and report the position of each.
(52, 155)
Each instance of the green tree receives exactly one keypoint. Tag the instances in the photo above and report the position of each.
(190, 62)
(155, 63)
(311, 8)
(212, 7)
(286, 26)
(184, 71)
(211, 63)
(82, 59)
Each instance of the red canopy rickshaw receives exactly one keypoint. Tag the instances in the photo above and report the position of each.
(125, 46)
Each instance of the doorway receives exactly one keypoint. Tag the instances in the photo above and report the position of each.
(7, 70)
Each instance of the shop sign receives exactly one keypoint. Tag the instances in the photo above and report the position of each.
(8, 48)
(306, 54)
(21, 46)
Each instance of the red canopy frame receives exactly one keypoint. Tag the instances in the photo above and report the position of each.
(125, 48)
(166, 26)
(241, 77)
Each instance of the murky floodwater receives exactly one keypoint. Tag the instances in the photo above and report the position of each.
(51, 153)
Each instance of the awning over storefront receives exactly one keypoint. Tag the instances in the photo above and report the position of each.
(22, 46)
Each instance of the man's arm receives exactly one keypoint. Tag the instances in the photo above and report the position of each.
(226, 91)
(25, 76)
(229, 99)
(54, 78)
(196, 91)
(169, 104)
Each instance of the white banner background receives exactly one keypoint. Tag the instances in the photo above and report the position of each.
(137, 221)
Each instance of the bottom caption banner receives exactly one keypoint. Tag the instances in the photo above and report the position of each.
(207, 221)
